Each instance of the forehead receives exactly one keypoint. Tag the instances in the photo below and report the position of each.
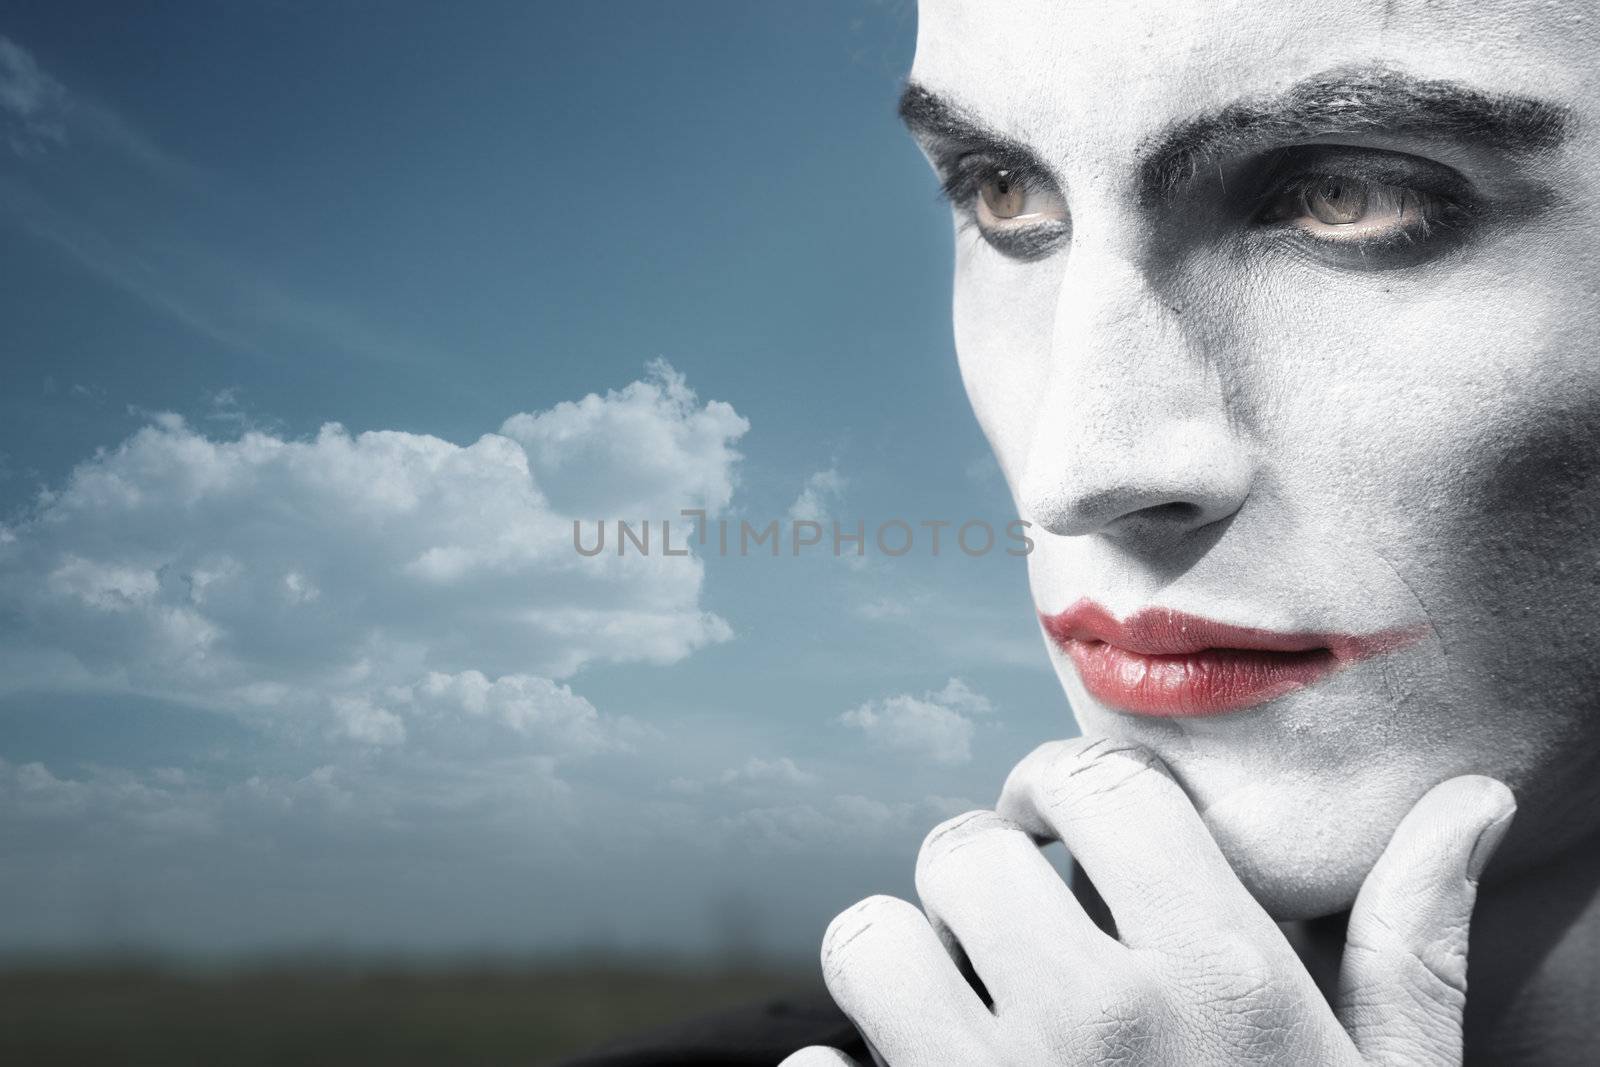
(1085, 76)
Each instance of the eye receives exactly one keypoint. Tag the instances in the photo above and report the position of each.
(1006, 197)
(1017, 209)
(1011, 201)
(1339, 208)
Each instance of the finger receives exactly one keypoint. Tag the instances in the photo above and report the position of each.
(885, 968)
(818, 1056)
(1128, 823)
(985, 881)
(1403, 980)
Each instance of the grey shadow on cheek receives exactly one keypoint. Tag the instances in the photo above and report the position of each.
(1531, 538)
(1527, 556)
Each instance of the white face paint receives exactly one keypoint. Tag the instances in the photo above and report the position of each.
(1247, 394)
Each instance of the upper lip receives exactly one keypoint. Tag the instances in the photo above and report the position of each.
(1157, 631)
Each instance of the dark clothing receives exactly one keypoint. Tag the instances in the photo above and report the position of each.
(755, 1035)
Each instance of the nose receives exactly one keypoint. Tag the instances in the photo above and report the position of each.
(1134, 439)
(1151, 484)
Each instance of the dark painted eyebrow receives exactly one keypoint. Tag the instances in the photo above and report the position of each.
(947, 130)
(1343, 101)
(1350, 101)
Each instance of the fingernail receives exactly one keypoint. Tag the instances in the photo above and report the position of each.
(1490, 836)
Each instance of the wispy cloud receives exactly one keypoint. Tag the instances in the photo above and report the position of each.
(133, 267)
(208, 290)
(40, 115)
(33, 103)
(817, 497)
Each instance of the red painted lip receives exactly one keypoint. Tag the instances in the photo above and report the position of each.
(1168, 664)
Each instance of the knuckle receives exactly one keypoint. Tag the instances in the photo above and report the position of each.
(1092, 769)
(1119, 1024)
(1240, 990)
(961, 832)
(1041, 765)
(1047, 753)
(1236, 977)
(874, 915)
(1436, 961)
(1437, 977)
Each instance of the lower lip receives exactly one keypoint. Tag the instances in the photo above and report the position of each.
(1208, 682)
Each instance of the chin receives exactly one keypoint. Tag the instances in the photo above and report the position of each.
(1297, 868)
(1301, 816)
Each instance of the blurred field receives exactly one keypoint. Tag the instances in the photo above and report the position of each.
(309, 1015)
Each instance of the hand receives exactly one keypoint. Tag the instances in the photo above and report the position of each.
(1201, 974)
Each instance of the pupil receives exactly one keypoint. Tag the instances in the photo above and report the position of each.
(1336, 202)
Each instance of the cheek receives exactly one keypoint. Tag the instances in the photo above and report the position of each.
(1004, 314)
(1447, 420)
(1457, 444)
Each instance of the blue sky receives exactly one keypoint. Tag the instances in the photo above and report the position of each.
(274, 684)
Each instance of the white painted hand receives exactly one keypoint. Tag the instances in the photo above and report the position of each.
(1201, 975)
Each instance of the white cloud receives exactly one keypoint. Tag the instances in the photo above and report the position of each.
(644, 452)
(383, 583)
(362, 720)
(522, 705)
(959, 696)
(114, 800)
(822, 489)
(937, 726)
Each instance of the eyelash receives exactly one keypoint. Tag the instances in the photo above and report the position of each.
(963, 176)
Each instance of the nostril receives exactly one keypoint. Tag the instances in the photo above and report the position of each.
(1177, 512)
(1146, 486)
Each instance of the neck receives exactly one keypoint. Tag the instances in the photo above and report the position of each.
(1533, 994)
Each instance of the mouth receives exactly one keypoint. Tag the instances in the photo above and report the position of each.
(1167, 664)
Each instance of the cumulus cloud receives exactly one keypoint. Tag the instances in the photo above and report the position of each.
(644, 452)
(518, 706)
(937, 726)
(380, 583)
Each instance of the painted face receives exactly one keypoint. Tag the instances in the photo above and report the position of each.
(1283, 319)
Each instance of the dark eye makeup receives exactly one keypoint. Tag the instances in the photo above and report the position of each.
(1356, 205)
(1374, 204)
